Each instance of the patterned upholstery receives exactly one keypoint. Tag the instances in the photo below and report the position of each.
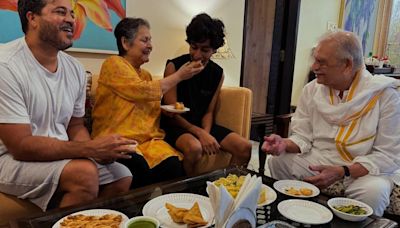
(337, 189)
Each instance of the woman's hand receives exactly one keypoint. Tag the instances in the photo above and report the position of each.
(274, 144)
(109, 148)
(208, 143)
(189, 69)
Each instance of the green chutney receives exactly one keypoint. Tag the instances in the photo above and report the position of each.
(142, 224)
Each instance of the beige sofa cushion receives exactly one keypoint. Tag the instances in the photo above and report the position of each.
(11, 207)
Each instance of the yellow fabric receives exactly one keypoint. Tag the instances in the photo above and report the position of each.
(341, 138)
(128, 103)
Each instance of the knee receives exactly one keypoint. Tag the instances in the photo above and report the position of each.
(245, 149)
(374, 193)
(80, 176)
(122, 185)
(194, 152)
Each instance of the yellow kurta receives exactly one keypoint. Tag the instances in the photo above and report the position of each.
(128, 103)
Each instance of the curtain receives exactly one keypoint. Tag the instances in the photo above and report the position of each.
(382, 27)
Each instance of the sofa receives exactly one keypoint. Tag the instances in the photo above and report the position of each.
(233, 111)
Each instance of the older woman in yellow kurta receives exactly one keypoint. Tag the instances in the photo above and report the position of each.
(128, 103)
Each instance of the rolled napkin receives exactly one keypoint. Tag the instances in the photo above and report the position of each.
(228, 210)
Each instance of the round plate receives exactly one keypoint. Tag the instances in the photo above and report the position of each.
(171, 108)
(282, 185)
(156, 208)
(270, 195)
(305, 212)
(95, 212)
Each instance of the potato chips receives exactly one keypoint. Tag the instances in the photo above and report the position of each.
(299, 192)
(88, 221)
(233, 184)
(192, 217)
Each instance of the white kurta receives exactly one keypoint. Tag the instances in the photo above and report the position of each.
(323, 122)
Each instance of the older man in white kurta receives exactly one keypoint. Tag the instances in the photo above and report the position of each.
(346, 125)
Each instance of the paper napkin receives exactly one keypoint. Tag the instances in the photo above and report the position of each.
(228, 210)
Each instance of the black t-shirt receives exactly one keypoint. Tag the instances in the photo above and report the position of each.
(196, 93)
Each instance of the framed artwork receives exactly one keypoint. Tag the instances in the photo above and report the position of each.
(359, 16)
(95, 21)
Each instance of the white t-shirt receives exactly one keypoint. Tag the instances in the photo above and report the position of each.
(30, 94)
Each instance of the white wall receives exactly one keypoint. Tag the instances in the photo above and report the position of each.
(168, 21)
(313, 20)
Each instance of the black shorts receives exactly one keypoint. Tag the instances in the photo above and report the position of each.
(173, 133)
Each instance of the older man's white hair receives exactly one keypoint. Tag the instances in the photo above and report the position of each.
(348, 47)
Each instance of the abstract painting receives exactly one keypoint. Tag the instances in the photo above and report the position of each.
(359, 16)
(95, 21)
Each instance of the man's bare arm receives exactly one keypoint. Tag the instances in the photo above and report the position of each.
(22, 145)
(77, 131)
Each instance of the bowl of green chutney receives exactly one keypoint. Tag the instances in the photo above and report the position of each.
(142, 222)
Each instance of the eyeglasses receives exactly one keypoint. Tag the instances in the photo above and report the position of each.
(324, 65)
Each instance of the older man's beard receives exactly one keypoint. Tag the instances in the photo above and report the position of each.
(50, 34)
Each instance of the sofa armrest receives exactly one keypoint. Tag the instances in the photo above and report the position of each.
(233, 110)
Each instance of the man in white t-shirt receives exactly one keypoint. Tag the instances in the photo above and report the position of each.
(346, 126)
(46, 154)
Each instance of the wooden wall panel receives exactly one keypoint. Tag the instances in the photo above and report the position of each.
(257, 44)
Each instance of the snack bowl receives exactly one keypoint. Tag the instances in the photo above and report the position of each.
(142, 222)
(341, 201)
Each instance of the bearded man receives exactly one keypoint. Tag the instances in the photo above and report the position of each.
(46, 154)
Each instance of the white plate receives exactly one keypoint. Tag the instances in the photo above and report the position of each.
(282, 185)
(270, 195)
(156, 208)
(305, 212)
(171, 108)
(95, 212)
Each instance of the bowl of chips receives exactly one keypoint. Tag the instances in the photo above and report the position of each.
(233, 183)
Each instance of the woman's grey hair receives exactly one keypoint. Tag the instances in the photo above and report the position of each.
(348, 47)
(128, 28)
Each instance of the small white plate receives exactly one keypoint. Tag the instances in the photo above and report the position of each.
(171, 108)
(95, 212)
(156, 208)
(305, 212)
(270, 195)
(282, 185)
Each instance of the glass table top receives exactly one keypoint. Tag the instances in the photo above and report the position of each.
(131, 203)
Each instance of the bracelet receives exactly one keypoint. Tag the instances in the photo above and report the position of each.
(346, 171)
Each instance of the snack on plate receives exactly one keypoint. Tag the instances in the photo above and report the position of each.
(233, 183)
(176, 213)
(351, 209)
(306, 191)
(263, 196)
(191, 217)
(179, 106)
(79, 220)
(299, 192)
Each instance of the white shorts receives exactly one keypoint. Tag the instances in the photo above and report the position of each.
(37, 181)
